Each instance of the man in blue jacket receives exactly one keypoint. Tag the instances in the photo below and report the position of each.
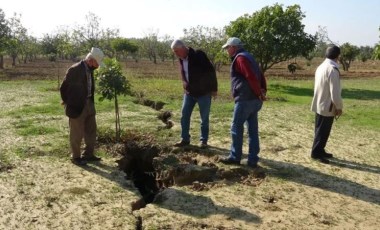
(248, 87)
(199, 84)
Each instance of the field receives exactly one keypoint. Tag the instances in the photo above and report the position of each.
(41, 189)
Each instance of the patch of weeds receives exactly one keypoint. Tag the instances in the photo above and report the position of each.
(77, 191)
(5, 163)
(117, 189)
(27, 151)
(37, 130)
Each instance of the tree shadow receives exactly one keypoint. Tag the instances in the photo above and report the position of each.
(354, 165)
(200, 206)
(310, 177)
(360, 94)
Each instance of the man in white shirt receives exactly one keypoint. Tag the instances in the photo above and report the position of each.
(327, 102)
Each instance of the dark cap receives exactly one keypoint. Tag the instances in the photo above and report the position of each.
(332, 52)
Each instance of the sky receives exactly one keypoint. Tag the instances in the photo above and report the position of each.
(353, 21)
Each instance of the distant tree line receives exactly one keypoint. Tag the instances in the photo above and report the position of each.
(273, 34)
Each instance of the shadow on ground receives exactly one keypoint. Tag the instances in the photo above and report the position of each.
(310, 177)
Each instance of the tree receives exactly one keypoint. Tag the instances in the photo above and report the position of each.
(322, 41)
(18, 37)
(365, 53)
(111, 84)
(123, 46)
(4, 36)
(348, 53)
(149, 45)
(92, 35)
(163, 47)
(273, 34)
(209, 40)
(376, 51)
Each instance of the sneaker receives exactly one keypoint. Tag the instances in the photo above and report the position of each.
(203, 145)
(182, 143)
(229, 161)
(78, 161)
(92, 158)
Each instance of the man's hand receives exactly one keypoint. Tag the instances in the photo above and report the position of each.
(338, 112)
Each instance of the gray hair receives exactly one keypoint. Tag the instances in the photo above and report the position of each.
(177, 44)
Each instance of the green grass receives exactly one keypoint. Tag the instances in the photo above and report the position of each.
(38, 113)
(361, 98)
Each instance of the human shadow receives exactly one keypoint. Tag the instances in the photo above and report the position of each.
(354, 165)
(109, 172)
(210, 150)
(310, 177)
(360, 94)
(200, 206)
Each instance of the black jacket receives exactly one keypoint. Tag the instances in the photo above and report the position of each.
(202, 75)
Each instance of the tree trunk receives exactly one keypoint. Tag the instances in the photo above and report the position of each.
(1, 62)
(117, 118)
(13, 60)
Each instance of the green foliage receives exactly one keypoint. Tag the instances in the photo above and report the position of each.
(376, 52)
(4, 31)
(111, 81)
(348, 53)
(123, 46)
(210, 40)
(273, 34)
(111, 84)
(365, 53)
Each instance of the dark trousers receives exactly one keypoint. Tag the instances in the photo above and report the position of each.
(321, 134)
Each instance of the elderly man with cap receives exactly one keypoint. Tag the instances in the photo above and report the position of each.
(199, 84)
(327, 102)
(77, 93)
(248, 87)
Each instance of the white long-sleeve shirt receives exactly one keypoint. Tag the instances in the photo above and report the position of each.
(327, 89)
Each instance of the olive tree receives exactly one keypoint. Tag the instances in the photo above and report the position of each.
(348, 53)
(111, 84)
(123, 47)
(4, 36)
(209, 40)
(273, 34)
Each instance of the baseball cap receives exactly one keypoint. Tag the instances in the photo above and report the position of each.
(233, 41)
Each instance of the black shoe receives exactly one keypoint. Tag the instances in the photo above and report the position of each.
(252, 165)
(79, 161)
(229, 161)
(321, 158)
(182, 143)
(327, 155)
(92, 158)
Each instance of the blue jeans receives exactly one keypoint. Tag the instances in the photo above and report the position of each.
(204, 103)
(245, 111)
